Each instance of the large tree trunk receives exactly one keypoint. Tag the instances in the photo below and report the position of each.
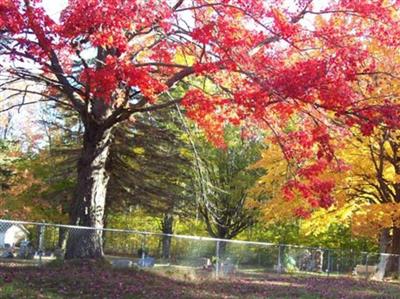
(222, 233)
(395, 250)
(222, 249)
(383, 259)
(167, 225)
(90, 196)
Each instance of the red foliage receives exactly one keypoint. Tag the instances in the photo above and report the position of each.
(10, 18)
(267, 63)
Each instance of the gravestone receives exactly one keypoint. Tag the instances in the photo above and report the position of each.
(26, 250)
(122, 263)
(146, 262)
(8, 251)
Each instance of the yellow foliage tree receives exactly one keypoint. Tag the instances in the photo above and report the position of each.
(367, 194)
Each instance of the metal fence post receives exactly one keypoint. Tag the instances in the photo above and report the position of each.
(366, 266)
(143, 255)
(279, 269)
(217, 260)
(328, 270)
(41, 242)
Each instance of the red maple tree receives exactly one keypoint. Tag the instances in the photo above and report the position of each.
(271, 64)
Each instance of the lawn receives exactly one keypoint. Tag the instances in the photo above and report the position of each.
(94, 280)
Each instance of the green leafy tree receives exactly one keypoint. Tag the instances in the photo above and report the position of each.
(223, 185)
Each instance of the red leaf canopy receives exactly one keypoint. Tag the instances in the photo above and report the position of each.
(290, 69)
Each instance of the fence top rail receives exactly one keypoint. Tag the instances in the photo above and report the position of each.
(144, 233)
(197, 238)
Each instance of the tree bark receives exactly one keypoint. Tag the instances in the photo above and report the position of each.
(167, 225)
(222, 233)
(383, 259)
(395, 250)
(222, 249)
(90, 197)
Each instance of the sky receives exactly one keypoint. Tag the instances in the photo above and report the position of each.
(24, 121)
(54, 7)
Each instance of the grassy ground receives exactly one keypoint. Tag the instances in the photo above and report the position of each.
(94, 280)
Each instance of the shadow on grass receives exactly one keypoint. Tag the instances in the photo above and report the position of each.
(90, 279)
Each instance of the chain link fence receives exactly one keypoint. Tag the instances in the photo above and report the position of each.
(34, 244)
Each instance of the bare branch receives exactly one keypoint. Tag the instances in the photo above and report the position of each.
(24, 104)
